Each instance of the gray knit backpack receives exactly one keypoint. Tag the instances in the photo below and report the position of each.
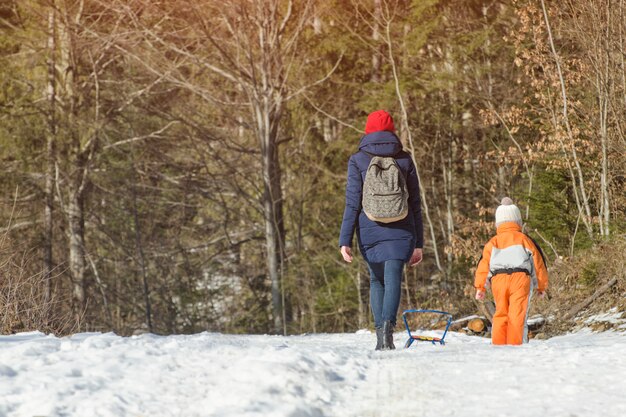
(385, 195)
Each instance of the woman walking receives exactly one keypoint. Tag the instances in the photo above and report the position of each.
(383, 206)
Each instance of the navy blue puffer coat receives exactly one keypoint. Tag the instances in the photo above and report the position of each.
(380, 242)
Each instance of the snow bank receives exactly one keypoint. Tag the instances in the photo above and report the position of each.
(612, 316)
(94, 374)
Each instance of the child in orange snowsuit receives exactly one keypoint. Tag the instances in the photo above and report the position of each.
(514, 266)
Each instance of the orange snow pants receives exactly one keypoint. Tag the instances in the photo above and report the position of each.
(512, 295)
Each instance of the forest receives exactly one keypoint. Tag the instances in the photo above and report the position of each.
(176, 166)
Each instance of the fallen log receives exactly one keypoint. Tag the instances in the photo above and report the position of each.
(476, 325)
(460, 323)
(578, 307)
(536, 322)
(440, 325)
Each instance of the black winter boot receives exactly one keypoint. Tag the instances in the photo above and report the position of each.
(388, 336)
(379, 338)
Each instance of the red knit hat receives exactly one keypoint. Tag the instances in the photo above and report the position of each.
(379, 120)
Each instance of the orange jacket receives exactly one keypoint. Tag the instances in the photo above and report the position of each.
(511, 249)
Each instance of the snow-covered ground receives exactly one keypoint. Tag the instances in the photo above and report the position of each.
(580, 374)
(612, 316)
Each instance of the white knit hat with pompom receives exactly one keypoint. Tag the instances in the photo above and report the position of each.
(508, 212)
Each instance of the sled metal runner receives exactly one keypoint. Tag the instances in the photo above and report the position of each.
(433, 340)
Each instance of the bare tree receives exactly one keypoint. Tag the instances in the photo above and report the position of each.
(387, 21)
(82, 60)
(251, 49)
(583, 200)
(50, 153)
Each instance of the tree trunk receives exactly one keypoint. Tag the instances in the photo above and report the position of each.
(621, 48)
(76, 166)
(446, 174)
(50, 159)
(267, 122)
(141, 255)
(584, 201)
(77, 250)
(409, 141)
(603, 98)
(362, 312)
(376, 61)
(604, 110)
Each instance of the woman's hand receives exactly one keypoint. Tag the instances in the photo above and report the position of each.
(416, 257)
(480, 295)
(346, 252)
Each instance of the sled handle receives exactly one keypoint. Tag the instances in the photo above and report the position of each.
(444, 313)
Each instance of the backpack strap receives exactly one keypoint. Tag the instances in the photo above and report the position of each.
(543, 257)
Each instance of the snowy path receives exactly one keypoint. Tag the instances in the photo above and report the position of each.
(581, 374)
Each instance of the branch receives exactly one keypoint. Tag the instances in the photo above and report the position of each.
(215, 69)
(547, 242)
(18, 226)
(283, 24)
(581, 181)
(8, 228)
(153, 135)
(577, 308)
(341, 122)
(321, 80)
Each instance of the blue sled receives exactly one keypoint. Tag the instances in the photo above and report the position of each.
(434, 340)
